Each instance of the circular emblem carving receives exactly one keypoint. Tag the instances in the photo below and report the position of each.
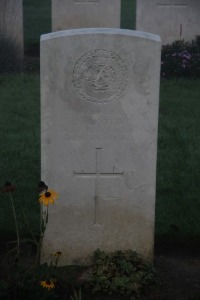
(100, 76)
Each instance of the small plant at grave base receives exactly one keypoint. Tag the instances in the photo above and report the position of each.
(32, 281)
(181, 59)
(124, 273)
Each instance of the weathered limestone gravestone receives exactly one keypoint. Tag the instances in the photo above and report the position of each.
(171, 19)
(85, 13)
(11, 23)
(99, 113)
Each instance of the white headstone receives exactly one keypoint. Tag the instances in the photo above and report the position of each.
(99, 114)
(85, 13)
(171, 19)
(11, 22)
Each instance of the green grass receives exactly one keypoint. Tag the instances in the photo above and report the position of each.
(178, 172)
(128, 14)
(37, 21)
(20, 146)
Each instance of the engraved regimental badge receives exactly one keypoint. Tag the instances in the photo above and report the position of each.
(100, 76)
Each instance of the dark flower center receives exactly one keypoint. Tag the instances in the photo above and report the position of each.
(47, 194)
(48, 282)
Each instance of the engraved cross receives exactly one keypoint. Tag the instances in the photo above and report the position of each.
(97, 175)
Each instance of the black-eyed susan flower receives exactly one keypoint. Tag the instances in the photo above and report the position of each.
(57, 254)
(48, 197)
(47, 284)
(8, 187)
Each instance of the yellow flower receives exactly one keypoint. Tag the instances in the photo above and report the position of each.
(48, 284)
(48, 197)
(57, 254)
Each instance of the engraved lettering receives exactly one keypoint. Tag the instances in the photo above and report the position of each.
(100, 127)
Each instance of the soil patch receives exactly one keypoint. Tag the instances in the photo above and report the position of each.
(180, 277)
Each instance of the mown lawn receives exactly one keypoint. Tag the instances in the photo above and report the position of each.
(178, 172)
(20, 148)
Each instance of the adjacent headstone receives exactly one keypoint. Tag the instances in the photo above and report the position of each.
(99, 114)
(85, 13)
(11, 23)
(171, 19)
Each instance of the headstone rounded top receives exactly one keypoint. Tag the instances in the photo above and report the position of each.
(88, 31)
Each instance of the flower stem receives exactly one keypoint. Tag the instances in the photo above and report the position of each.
(43, 223)
(16, 225)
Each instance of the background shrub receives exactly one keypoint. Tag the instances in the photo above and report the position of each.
(181, 59)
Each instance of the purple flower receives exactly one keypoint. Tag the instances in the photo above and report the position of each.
(185, 54)
(184, 63)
